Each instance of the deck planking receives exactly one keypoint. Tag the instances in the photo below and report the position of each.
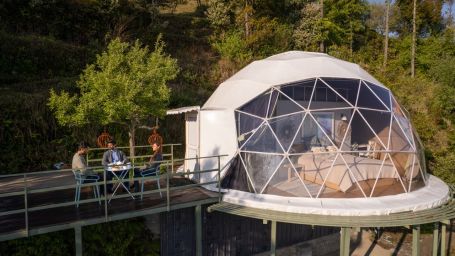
(87, 211)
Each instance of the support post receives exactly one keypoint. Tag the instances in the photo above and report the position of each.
(219, 180)
(416, 240)
(345, 241)
(273, 238)
(26, 203)
(435, 239)
(78, 237)
(198, 223)
(443, 238)
(168, 201)
(342, 241)
(105, 195)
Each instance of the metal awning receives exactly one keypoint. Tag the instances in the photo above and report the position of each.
(182, 110)
(438, 214)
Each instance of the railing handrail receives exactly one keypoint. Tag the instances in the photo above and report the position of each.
(140, 146)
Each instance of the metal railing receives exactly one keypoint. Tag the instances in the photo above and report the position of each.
(168, 174)
(167, 149)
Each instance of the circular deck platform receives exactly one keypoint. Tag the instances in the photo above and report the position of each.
(434, 195)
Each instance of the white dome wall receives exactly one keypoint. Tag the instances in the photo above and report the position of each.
(218, 136)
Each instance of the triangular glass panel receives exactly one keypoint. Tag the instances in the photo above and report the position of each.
(406, 127)
(258, 106)
(261, 167)
(367, 99)
(263, 140)
(396, 108)
(420, 155)
(286, 127)
(363, 141)
(236, 176)
(354, 176)
(347, 89)
(388, 181)
(326, 98)
(250, 187)
(312, 169)
(246, 126)
(379, 121)
(381, 92)
(287, 181)
(286, 105)
(404, 162)
(300, 91)
(273, 103)
(398, 141)
(311, 137)
(413, 175)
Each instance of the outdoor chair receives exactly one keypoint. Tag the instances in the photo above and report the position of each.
(80, 180)
(148, 173)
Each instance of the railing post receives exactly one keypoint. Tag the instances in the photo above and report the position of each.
(219, 180)
(105, 195)
(168, 206)
(26, 203)
(78, 238)
(172, 157)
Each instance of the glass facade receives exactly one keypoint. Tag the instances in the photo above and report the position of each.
(327, 137)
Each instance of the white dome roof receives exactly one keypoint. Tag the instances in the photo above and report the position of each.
(278, 69)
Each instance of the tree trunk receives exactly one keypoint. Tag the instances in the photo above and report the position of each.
(413, 46)
(247, 24)
(386, 33)
(321, 44)
(131, 136)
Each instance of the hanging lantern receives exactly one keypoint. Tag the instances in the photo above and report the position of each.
(102, 140)
(155, 137)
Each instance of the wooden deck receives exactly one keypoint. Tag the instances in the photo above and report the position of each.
(47, 220)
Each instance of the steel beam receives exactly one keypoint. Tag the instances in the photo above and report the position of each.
(273, 238)
(198, 224)
(416, 240)
(78, 238)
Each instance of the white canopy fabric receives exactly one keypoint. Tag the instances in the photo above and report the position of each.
(177, 111)
(281, 69)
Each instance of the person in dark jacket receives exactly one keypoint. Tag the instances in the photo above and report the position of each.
(113, 156)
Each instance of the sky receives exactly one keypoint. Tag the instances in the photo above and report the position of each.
(444, 10)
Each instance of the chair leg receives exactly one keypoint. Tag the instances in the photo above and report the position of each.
(78, 195)
(98, 194)
(158, 183)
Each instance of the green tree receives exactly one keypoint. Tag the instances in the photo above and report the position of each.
(125, 85)
(308, 33)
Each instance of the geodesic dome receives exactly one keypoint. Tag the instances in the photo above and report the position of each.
(310, 125)
(327, 137)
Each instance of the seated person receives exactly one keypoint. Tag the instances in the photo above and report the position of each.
(111, 156)
(152, 167)
(80, 164)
